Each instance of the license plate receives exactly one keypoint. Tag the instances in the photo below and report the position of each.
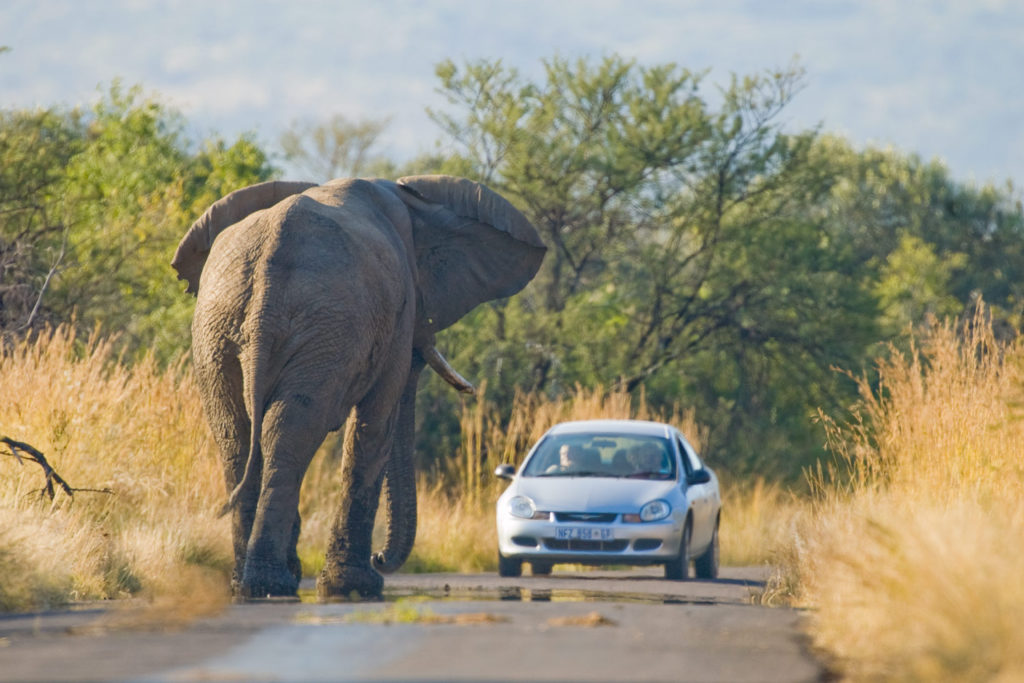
(582, 533)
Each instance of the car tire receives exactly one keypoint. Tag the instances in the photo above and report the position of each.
(541, 568)
(509, 566)
(706, 566)
(678, 569)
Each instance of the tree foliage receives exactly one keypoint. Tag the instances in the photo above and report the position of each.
(929, 244)
(35, 147)
(682, 258)
(336, 148)
(92, 205)
(703, 254)
(699, 251)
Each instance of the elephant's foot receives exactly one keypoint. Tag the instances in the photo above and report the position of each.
(347, 581)
(267, 582)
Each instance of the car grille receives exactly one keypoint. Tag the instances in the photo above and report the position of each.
(586, 546)
(593, 517)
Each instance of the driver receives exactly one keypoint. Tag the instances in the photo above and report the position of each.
(570, 458)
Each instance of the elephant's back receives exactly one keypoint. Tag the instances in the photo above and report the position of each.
(301, 275)
(305, 246)
(333, 256)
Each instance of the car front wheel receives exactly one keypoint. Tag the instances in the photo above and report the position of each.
(678, 569)
(509, 566)
(706, 566)
(540, 568)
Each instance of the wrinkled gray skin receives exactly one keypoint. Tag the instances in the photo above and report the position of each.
(317, 302)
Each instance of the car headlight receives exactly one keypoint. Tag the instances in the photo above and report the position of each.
(652, 512)
(655, 510)
(522, 507)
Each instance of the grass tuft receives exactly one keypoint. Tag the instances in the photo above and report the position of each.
(910, 554)
(102, 424)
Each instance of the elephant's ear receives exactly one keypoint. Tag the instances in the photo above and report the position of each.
(194, 247)
(472, 245)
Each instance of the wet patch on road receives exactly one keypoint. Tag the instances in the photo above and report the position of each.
(402, 611)
(519, 594)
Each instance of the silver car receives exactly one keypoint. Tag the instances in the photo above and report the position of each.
(610, 492)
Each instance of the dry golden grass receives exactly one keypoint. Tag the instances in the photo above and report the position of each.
(136, 430)
(758, 521)
(912, 558)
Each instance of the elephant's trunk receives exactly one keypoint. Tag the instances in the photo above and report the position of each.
(400, 481)
(400, 470)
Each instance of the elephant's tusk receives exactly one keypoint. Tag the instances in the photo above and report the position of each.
(436, 361)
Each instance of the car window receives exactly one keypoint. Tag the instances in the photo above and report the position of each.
(602, 455)
(692, 461)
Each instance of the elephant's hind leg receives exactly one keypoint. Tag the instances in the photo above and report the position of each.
(369, 435)
(221, 383)
(292, 432)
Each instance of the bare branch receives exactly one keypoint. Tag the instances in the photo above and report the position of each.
(19, 448)
(46, 283)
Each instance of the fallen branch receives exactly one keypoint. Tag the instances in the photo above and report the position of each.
(21, 451)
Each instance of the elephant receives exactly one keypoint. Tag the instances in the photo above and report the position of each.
(317, 308)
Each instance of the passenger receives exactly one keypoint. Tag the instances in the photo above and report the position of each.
(646, 459)
(570, 458)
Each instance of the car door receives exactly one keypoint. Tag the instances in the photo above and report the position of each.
(699, 495)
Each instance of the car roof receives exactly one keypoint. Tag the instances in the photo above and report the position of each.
(638, 427)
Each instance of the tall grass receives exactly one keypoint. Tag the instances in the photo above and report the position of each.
(912, 557)
(138, 430)
(135, 430)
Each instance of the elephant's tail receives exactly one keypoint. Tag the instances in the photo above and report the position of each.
(251, 379)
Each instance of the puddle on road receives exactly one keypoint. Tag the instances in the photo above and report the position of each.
(562, 595)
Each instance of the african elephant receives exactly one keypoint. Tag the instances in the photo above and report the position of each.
(320, 303)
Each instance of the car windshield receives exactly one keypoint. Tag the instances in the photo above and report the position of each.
(603, 455)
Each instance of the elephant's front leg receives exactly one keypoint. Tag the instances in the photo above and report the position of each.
(347, 567)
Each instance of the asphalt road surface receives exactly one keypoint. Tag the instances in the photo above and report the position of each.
(628, 625)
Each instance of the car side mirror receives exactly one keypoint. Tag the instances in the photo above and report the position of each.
(505, 472)
(698, 477)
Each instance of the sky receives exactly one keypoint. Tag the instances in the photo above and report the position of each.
(940, 79)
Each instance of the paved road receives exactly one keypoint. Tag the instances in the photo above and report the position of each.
(587, 626)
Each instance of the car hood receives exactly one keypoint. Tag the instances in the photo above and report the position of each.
(573, 494)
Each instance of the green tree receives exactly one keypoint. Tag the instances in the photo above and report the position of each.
(35, 147)
(682, 258)
(926, 243)
(915, 283)
(93, 205)
(336, 148)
